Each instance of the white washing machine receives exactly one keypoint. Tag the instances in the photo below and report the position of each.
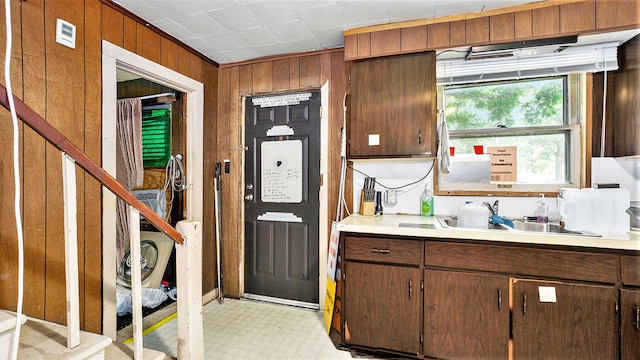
(155, 250)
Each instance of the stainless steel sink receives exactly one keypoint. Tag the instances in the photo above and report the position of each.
(452, 222)
(520, 225)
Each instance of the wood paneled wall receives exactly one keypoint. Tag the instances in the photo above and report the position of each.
(526, 22)
(303, 72)
(622, 120)
(64, 86)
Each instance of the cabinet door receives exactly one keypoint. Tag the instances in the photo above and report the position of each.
(553, 320)
(630, 347)
(393, 106)
(381, 306)
(466, 316)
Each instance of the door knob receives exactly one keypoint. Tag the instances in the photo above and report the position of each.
(248, 197)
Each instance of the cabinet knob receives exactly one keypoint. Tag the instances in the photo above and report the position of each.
(380, 251)
(499, 299)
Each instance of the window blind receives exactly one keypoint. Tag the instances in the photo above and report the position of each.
(525, 64)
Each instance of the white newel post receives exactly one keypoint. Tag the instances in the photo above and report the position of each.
(136, 282)
(71, 250)
(189, 284)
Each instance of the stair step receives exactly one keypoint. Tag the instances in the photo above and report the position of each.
(117, 351)
(45, 340)
(8, 320)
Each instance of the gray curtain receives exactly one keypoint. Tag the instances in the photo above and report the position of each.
(130, 170)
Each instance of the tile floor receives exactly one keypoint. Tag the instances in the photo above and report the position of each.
(245, 329)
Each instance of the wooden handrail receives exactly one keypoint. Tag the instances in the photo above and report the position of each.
(52, 135)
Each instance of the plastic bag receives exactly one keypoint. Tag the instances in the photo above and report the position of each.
(123, 303)
(151, 298)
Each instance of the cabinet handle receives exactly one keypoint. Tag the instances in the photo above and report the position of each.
(499, 299)
(636, 323)
(524, 304)
(410, 288)
(419, 136)
(380, 251)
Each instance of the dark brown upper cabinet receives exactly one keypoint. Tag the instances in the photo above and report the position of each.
(393, 107)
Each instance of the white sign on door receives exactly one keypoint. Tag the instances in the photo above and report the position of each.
(281, 177)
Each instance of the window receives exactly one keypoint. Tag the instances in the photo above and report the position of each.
(538, 116)
(156, 135)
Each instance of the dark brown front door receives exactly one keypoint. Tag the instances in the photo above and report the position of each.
(282, 183)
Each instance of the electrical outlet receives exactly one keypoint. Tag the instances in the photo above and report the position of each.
(391, 197)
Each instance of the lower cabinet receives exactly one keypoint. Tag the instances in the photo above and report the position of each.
(488, 301)
(466, 316)
(630, 324)
(557, 320)
(382, 306)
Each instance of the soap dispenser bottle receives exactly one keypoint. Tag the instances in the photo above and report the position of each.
(542, 211)
(426, 201)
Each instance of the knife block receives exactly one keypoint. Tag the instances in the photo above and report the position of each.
(367, 208)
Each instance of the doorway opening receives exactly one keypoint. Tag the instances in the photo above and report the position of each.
(114, 60)
(160, 187)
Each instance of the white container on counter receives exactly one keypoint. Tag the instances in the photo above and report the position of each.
(473, 215)
(595, 210)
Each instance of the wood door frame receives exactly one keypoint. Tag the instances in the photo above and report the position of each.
(113, 58)
(323, 217)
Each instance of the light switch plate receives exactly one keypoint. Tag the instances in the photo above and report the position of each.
(374, 139)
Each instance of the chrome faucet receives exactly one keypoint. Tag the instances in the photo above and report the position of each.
(492, 208)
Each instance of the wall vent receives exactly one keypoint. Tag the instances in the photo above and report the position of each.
(66, 33)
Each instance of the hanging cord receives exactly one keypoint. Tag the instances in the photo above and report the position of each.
(397, 187)
(175, 180)
(604, 111)
(16, 173)
(343, 170)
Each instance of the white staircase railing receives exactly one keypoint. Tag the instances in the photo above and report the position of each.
(188, 238)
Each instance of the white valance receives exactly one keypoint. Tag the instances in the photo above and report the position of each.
(575, 59)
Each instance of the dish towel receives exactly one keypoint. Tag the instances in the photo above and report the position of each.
(443, 146)
(496, 220)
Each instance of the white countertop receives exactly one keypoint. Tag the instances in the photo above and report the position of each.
(423, 226)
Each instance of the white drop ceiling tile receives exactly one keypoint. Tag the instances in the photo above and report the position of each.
(201, 25)
(172, 28)
(256, 37)
(375, 11)
(224, 42)
(234, 18)
(172, 8)
(142, 9)
(219, 57)
(288, 32)
(201, 45)
(405, 10)
(242, 54)
(452, 7)
(322, 17)
(207, 5)
(289, 48)
(499, 4)
(304, 4)
(301, 46)
(272, 12)
(329, 38)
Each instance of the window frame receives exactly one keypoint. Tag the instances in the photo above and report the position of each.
(575, 107)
